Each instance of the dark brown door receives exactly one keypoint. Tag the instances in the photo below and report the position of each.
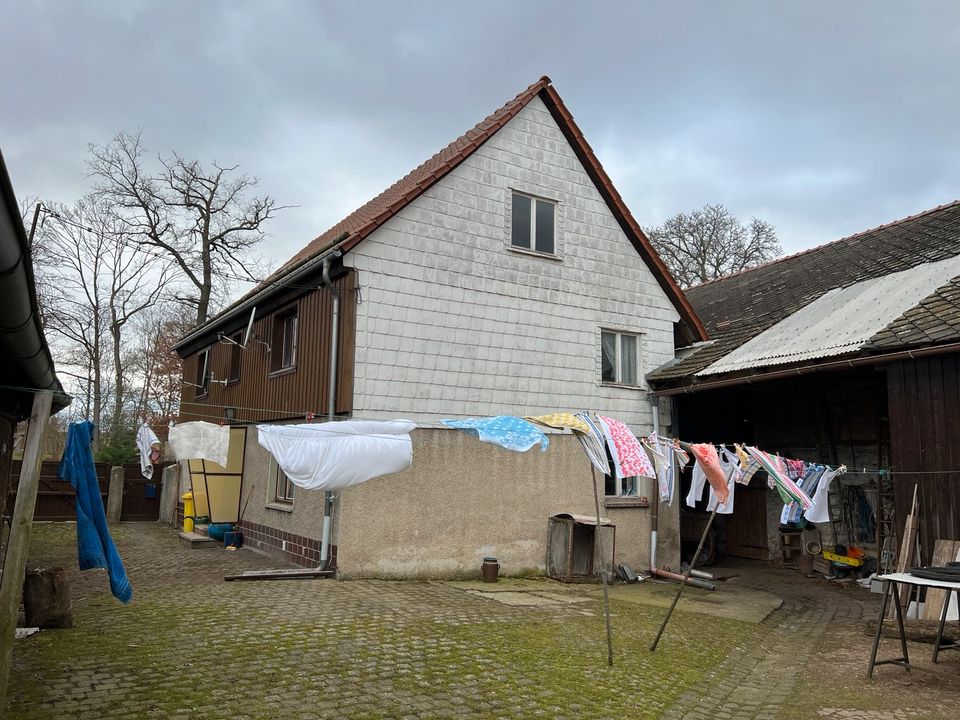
(747, 527)
(141, 497)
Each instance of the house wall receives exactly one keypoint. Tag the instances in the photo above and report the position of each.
(456, 323)
(263, 395)
(924, 403)
(460, 500)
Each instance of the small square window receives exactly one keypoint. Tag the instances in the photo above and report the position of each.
(533, 224)
(619, 358)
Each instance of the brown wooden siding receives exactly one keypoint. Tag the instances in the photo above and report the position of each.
(924, 404)
(260, 395)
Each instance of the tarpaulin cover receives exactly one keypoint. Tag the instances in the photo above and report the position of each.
(95, 548)
(200, 440)
(335, 455)
(507, 431)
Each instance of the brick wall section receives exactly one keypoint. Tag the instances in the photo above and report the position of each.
(455, 323)
(288, 546)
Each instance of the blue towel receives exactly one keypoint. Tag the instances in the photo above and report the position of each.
(507, 431)
(95, 548)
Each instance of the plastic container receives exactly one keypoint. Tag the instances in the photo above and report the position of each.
(218, 530)
(234, 539)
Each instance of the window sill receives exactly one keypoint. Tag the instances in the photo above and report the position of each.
(625, 502)
(282, 507)
(534, 253)
(625, 386)
(282, 371)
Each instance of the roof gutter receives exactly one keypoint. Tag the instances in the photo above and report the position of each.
(808, 369)
(21, 332)
(306, 268)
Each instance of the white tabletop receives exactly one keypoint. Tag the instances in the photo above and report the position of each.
(909, 579)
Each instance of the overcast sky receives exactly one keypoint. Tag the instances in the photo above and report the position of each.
(824, 118)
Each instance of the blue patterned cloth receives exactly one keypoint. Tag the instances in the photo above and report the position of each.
(507, 431)
(95, 548)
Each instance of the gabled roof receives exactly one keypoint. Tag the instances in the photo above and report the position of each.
(803, 307)
(364, 220)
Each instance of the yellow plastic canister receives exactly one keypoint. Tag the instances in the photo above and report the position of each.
(188, 511)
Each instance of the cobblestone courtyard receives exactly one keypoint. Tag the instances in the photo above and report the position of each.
(192, 646)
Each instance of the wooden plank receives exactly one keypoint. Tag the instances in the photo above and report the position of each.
(18, 544)
(944, 551)
(304, 574)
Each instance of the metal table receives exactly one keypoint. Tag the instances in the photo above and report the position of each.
(891, 583)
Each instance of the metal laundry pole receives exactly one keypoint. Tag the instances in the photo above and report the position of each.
(686, 576)
(603, 570)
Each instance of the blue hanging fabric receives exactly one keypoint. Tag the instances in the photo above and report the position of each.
(95, 548)
(507, 431)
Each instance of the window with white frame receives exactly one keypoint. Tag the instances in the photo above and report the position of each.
(282, 487)
(533, 223)
(625, 487)
(619, 358)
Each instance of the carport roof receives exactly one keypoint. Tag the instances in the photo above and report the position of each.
(893, 287)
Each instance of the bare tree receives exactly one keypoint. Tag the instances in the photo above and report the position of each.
(102, 280)
(710, 242)
(156, 364)
(201, 217)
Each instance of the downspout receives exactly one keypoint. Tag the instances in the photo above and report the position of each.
(655, 505)
(331, 400)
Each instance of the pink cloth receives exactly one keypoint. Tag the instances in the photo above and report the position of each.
(709, 461)
(629, 458)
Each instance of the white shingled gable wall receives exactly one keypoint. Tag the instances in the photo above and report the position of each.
(454, 323)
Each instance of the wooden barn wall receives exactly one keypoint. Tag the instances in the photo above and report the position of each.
(924, 400)
(260, 395)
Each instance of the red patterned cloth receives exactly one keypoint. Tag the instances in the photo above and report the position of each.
(706, 455)
(629, 458)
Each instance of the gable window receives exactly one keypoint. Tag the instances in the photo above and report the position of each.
(619, 358)
(236, 353)
(283, 350)
(202, 384)
(533, 223)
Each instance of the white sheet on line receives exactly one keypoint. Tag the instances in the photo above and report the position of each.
(146, 439)
(200, 440)
(335, 455)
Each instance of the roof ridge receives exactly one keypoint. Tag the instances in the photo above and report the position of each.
(815, 248)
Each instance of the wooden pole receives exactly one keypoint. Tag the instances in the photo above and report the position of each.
(686, 576)
(603, 570)
(18, 544)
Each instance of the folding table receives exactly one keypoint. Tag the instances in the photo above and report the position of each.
(891, 583)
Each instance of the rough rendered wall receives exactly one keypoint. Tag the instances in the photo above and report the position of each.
(462, 500)
(455, 323)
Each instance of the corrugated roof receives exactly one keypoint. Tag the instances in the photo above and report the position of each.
(838, 322)
(740, 307)
(370, 216)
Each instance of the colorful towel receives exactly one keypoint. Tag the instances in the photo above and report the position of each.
(561, 421)
(776, 469)
(593, 444)
(95, 548)
(629, 458)
(507, 431)
(706, 456)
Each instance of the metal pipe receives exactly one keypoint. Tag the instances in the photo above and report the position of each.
(331, 401)
(695, 582)
(819, 367)
(655, 503)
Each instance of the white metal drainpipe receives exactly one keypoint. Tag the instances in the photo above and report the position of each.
(655, 519)
(331, 403)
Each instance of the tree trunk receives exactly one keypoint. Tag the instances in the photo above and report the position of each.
(117, 382)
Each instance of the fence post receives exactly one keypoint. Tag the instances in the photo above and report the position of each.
(168, 495)
(115, 494)
(18, 544)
